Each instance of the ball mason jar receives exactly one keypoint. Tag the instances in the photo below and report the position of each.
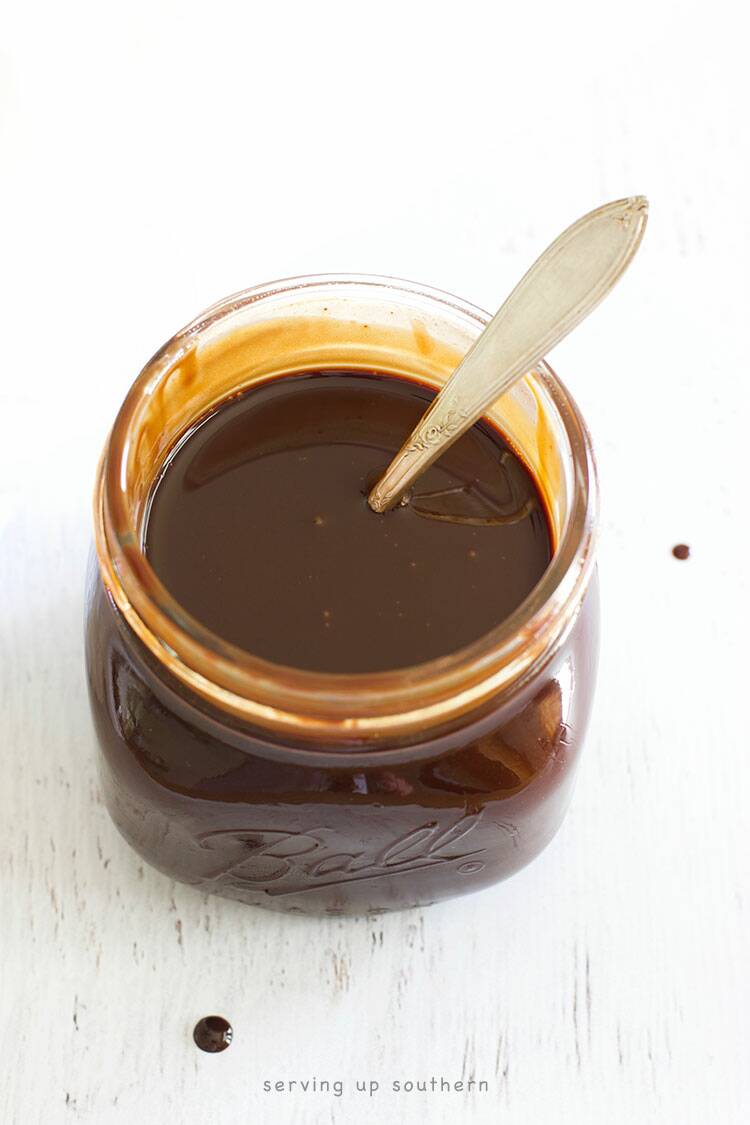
(323, 793)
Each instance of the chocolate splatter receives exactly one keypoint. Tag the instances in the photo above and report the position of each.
(213, 1033)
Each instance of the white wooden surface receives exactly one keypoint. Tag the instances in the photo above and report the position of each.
(161, 154)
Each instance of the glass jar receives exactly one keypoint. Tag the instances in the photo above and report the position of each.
(327, 793)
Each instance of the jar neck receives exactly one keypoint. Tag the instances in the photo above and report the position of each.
(361, 324)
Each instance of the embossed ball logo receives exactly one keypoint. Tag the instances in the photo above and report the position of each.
(285, 863)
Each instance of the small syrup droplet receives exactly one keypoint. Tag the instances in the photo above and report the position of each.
(212, 1034)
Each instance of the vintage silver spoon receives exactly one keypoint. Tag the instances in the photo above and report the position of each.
(562, 287)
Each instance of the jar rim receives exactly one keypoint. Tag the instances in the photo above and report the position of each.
(339, 706)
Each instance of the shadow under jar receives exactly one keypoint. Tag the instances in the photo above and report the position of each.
(319, 792)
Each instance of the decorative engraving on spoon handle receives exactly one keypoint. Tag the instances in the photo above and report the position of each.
(562, 287)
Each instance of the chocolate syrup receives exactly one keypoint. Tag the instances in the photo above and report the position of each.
(212, 1034)
(259, 526)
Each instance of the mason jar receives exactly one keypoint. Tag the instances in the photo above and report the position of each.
(332, 793)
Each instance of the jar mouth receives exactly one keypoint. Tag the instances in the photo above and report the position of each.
(316, 705)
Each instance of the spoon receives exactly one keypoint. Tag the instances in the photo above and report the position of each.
(570, 278)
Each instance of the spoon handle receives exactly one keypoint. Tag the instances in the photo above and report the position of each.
(562, 287)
